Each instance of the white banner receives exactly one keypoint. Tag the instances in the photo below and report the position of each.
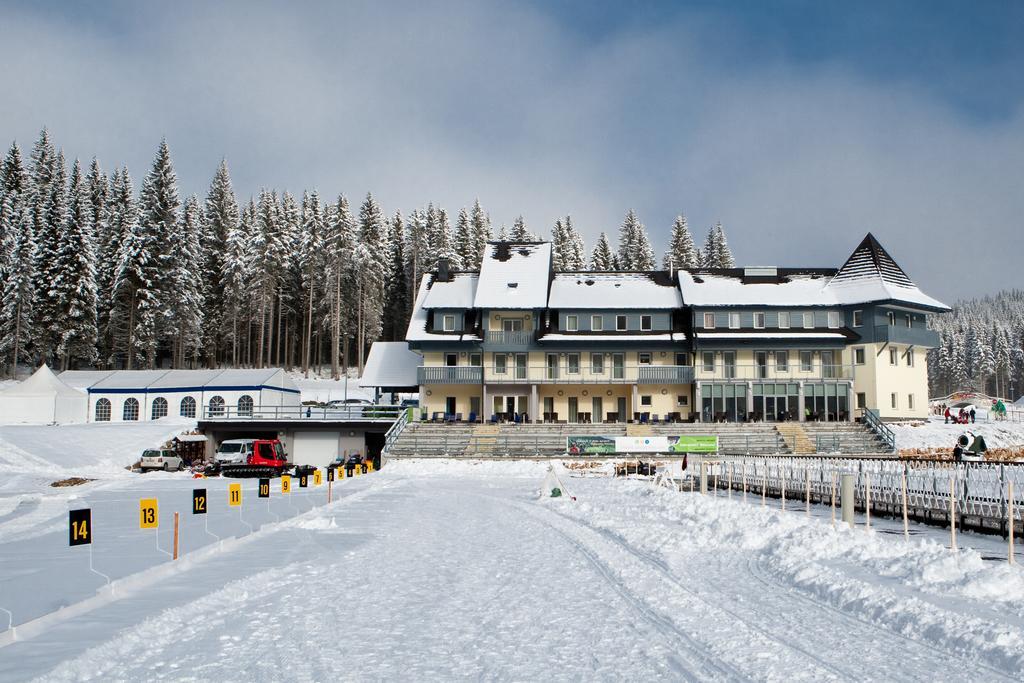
(641, 444)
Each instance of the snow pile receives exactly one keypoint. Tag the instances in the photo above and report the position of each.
(935, 434)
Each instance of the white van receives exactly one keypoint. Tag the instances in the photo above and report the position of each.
(233, 451)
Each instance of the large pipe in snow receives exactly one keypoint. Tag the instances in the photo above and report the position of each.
(846, 497)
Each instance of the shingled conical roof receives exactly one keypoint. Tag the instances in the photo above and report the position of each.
(871, 274)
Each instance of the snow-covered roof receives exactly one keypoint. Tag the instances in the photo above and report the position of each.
(458, 292)
(871, 274)
(614, 290)
(83, 379)
(42, 383)
(667, 336)
(732, 289)
(122, 381)
(391, 364)
(514, 275)
(417, 330)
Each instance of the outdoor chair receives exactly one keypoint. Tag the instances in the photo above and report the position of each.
(517, 418)
(472, 418)
(458, 417)
(645, 418)
(546, 417)
(437, 417)
(554, 417)
(656, 419)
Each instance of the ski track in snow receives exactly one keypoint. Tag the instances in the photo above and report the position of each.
(419, 577)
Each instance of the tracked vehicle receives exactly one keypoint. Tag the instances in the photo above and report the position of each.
(266, 458)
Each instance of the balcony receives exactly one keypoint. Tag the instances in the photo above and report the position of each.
(587, 374)
(464, 374)
(518, 340)
(793, 372)
(911, 336)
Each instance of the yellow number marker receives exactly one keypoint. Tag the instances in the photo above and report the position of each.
(317, 478)
(286, 483)
(149, 517)
(235, 495)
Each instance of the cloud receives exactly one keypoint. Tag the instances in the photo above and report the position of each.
(447, 102)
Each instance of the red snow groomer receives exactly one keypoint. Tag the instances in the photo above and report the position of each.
(267, 459)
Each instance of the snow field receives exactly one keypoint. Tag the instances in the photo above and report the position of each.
(933, 433)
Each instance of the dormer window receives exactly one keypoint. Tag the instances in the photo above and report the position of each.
(909, 320)
(833, 319)
(620, 323)
(645, 322)
(759, 320)
(596, 323)
(892, 318)
(571, 323)
(808, 321)
(783, 320)
(734, 321)
(448, 323)
(709, 321)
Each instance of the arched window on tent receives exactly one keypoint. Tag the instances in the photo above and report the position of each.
(216, 406)
(188, 407)
(159, 407)
(245, 405)
(103, 410)
(131, 410)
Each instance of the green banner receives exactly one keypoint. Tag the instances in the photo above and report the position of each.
(693, 444)
(589, 445)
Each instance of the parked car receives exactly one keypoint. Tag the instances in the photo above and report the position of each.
(410, 403)
(233, 452)
(348, 408)
(163, 459)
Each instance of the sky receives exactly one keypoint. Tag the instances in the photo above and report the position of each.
(800, 126)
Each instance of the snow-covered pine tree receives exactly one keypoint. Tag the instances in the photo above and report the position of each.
(43, 158)
(339, 245)
(575, 250)
(290, 299)
(131, 293)
(222, 216)
(520, 233)
(49, 326)
(635, 251)
(158, 220)
(502, 233)
(311, 249)
(682, 253)
(188, 306)
(396, 291)
(602, 258)
(72, 291)
(558, 246)
(234, 286)
(417, 250)
(18, 292)
(441, 240)
(99, 190)
(14, 179)
(374, 267)
(465, 244)
(481, 231)
(14, 191)
(725, 258)
(709, 253)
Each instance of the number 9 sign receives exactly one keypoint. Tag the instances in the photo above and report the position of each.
(286, 483)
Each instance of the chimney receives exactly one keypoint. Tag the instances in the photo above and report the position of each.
(442, 269)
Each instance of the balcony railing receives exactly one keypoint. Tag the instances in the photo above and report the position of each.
(463, 374)
(565, 373)
(901, 334)
(792, 372)
(345, 412)
(519, 339)
(664, 374)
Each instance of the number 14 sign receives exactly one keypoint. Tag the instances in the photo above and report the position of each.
(80, 527)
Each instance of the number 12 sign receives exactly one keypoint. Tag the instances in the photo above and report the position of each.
(80, 527)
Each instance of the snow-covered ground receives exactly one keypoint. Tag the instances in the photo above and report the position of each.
(934, 433)
(437, 570)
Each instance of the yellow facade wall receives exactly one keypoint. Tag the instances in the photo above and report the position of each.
(434, 397)
(878, 379)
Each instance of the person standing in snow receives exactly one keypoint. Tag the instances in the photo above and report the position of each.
(948, 415)
(972, 414)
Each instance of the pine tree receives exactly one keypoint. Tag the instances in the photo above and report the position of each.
(72, 291)
(602, 259)
(417, 250)
(339, 246)
(234, 285)
(520, 233)
(575, 250)
(465, 241)
(558, 246)
(725, 258)
(14, 189)
(440, 235)
(503, 233)
(49, 325)
(18, 302)
(681, 250)
(131, 293)
(396, 316)
(289, 298)
(374, 264)
(222, 217)
(311, 250)
(188, 305)
(481, 232)
(635, 251)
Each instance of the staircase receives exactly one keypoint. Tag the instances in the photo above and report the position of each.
(845, 438)
(796, 438)
(638, 430)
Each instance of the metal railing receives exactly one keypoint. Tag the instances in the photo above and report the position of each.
(901, 334)
(791, 372)
(463, 374)
(586, 373)
(349, 412)
(520, 338)
(391, 436)
(873, 420)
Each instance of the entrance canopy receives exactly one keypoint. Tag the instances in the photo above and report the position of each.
(392, 368)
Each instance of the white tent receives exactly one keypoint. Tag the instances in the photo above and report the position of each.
(42, 399)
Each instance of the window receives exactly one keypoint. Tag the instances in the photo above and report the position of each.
(734, 321)
(758, 320)
(597, 363)
(682, 400)
(910, 401)
(574, 363)
(620, 322)
(708, 358)
(682, 359)
(892, 317)
(645, 400)
(217, 406)
(597, 323)
(808, 321)
(729, 364)
(894, 400)
(448, 323)
(783, 320)
(187, 407)
(910, 358)
(451, 359)
(512, 325)
(862, 399)
(131, 410)
(159, 408)
(782, 361)
(500, 363)
(806, 361)
(909, 320)
(858, 318)
(834, 319)
(245, 405)
(646, 322)
(858, 356)
(572, 323)
(103, 410)
(709, 321)
(643, 358)
(894, 356)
